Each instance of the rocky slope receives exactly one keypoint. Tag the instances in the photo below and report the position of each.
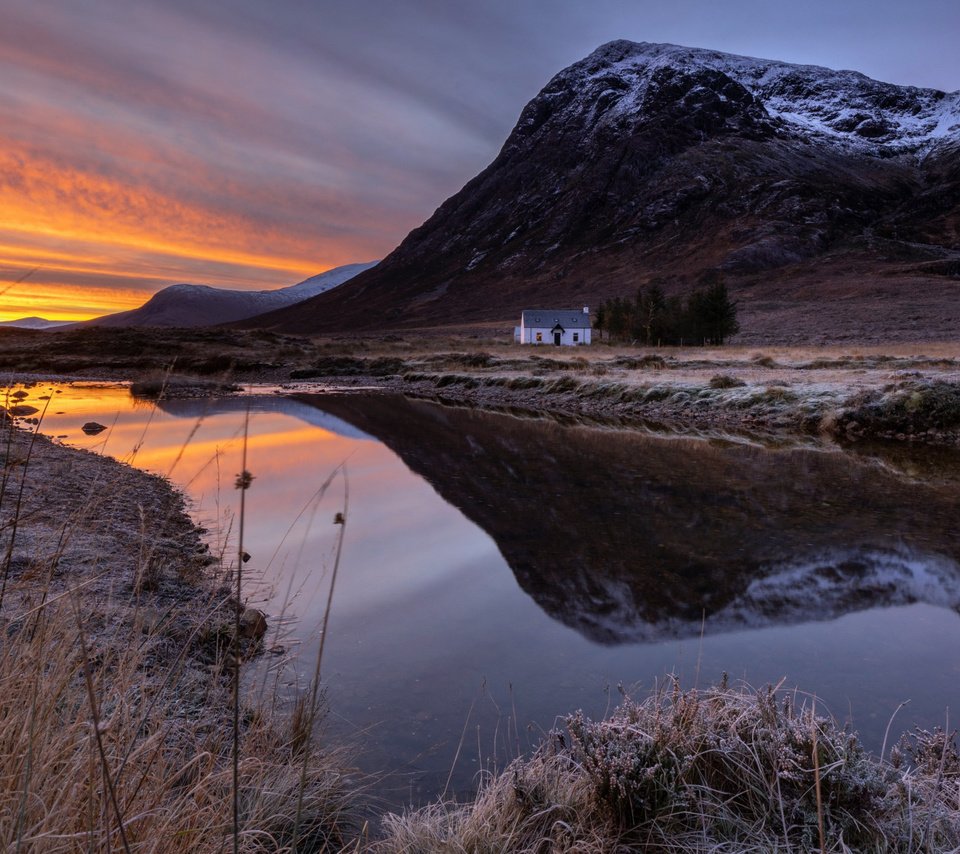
(201, 305)
(828, 200)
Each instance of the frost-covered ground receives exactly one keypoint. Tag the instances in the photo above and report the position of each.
(850, 393)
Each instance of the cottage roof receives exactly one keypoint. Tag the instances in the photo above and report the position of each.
(547, 318)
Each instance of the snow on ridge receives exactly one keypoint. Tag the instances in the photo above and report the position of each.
(813, 589)
(843, 106)
(200, 305)
(322, 282)
(897, 576)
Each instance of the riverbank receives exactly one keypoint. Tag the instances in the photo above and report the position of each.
(720, 769)
(115, 673)
(900, 396)
(899, 392)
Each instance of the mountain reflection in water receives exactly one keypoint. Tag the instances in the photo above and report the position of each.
(628, 537)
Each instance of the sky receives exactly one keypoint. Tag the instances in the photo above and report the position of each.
(251, 144)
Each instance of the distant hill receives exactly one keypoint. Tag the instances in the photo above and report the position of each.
(35, 323)
(201, 305)
(830, 202)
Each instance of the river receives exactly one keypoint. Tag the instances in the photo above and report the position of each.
(499, 572)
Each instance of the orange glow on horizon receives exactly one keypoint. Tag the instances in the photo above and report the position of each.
(65, 302)
(82, 230)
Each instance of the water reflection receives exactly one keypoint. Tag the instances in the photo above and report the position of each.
(501, 572)
(628, 538)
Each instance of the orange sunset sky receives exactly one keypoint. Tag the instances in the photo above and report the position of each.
(250, 145)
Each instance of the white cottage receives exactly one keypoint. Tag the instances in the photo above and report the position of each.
(559, 326)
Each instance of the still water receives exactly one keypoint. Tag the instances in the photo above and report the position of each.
(499, 572)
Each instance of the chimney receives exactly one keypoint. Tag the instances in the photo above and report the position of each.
(586, 309)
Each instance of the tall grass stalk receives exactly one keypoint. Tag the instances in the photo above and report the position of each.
(8, 557)
(243, 482)
(341, 520)
(816, 777)
(98, 735)
(312, 504)
(18, 280)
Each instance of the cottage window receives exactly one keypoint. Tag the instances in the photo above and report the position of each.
(539, 337)
(576, 337)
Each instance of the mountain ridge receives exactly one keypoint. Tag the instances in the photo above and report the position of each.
(35, 322)
(186, 305)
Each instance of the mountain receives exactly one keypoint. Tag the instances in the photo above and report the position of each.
(829, 201)
(201, 305)
(35, 323)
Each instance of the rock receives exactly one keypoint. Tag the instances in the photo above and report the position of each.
(92, 428)
(150, 620)
(253, 624)
(22, 409)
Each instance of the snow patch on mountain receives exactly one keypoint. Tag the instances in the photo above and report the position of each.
(813, 589)
(843, 106)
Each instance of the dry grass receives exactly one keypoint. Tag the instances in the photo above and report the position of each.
(720, 389)
(115, 660)
(704, 771)
(134, 764)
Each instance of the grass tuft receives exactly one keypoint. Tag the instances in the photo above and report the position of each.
(116, 724)
(726, 381)
(725, 769)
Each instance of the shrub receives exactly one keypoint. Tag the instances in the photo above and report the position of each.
(704, 771)
(725, 381)
(639, 362)
(909, 410)
(462, 360)
(561, 385)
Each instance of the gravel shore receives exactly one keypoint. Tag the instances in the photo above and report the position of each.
(117, 546)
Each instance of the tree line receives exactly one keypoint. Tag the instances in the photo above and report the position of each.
(706, 316)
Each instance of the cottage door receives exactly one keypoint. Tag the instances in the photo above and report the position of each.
(556, 338)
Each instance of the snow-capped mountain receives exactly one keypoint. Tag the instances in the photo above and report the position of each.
(622, 77)
(201, 305)
(647, 161)
(35, 323)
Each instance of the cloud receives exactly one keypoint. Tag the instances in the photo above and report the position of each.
(250, 144)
